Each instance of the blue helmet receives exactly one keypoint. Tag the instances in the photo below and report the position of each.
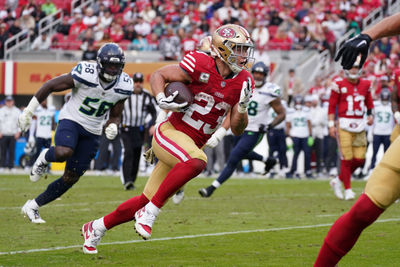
(260, 67)
(110, 61)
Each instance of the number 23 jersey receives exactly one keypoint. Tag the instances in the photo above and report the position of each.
(351, 100)
(90, 102)
(213, 97)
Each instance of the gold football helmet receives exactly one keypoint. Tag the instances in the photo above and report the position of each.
(232, 44)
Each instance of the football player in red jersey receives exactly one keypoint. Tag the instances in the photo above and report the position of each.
(395, 99)
(221, 87)
(351, 97)
(383, 186)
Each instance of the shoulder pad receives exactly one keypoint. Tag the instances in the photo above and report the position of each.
(273, 89)
(85, 73)
(124, 85)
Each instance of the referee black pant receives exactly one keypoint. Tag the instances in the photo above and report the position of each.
(132, 140)
(7, 147)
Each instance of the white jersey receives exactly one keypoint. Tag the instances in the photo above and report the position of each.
(90, 102)
(259, 105)
(272, 114)
(44, 121)
(298, 121)
(383, 121)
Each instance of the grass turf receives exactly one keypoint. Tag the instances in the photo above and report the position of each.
(247, 222)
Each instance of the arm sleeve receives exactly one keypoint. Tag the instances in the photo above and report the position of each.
(333, 99)
(368, 101)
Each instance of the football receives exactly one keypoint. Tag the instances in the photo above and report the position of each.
(184, 93)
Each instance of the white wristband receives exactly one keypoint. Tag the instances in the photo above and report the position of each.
(160, 96)
(220, 133)
(331, 124)
(33, 104)
(397, 116)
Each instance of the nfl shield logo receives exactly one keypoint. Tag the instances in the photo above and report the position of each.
(223, 84)
(344, 90)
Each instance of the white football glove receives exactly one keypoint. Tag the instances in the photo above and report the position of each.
(24, 119)
(168, 102)
(111, 131)
(397, 117)
(216, 137)
(245, 95)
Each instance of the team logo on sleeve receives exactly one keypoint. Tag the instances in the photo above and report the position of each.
(204, 77)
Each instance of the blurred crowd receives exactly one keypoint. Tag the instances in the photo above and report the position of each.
(175, 27)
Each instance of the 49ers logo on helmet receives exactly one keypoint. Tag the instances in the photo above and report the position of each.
(227, 32)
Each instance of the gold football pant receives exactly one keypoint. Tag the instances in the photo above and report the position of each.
(395, 133)
(383, 186)
(170, 147)
(352, 145)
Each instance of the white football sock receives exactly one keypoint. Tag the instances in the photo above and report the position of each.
(216, 184)
(153, 208)
(99, 225)
(33, 204)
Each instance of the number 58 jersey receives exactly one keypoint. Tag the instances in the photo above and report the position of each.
(90, 102)
(214, 96)
(351, 101)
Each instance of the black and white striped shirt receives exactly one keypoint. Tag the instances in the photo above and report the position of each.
(136, 109)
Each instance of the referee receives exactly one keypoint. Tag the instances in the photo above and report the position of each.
(140, 104)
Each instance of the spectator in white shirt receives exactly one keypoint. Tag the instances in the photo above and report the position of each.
(90, 19)
(260, 35)
(41, 42)
(9, 132)
(336, 25)
(142, 27)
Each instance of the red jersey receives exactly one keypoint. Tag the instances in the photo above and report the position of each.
(351, 101)
(213, 97)
(397, 83)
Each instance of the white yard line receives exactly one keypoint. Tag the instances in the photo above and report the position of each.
(186, 237)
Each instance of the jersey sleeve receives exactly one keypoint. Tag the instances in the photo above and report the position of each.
(369, 102)
(274, 90)
(334, 98)
(124, 88)
(191, 63)
(84, 73)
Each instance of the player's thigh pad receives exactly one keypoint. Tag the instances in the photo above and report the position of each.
(85, 150)
(172, 146)
(67, 134)
(383, 186)
(359, 145)
(395, 133)
(156, 178)
(345, 140)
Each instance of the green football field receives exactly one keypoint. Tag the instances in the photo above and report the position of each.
(247, 222)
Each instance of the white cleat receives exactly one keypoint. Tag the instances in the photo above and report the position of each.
(349, 194)
(178, 197)
(336, 185)
(39, 167)
(31, 212)
(144, 222)
(92, 238)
